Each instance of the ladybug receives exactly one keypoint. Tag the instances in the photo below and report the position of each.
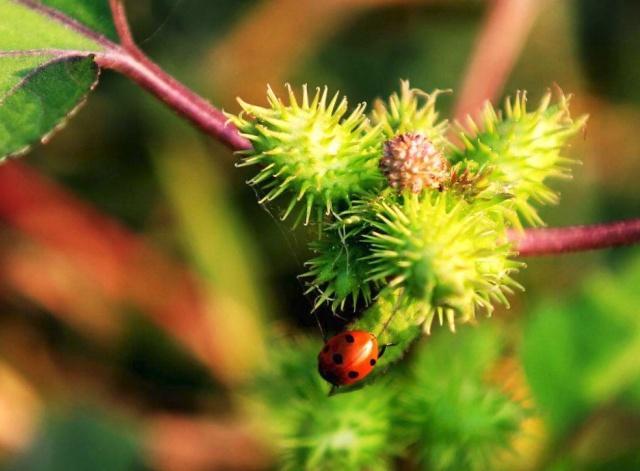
(349, 357)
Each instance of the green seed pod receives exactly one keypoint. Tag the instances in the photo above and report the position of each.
(411, 111)
(314, 431)
(464, 422)
(311, 151)
(339, 271)
(446, 255)
(523, 149)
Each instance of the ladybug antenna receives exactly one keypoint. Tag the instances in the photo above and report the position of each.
(322, 332)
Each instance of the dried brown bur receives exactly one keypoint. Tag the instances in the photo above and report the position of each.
(411, 162)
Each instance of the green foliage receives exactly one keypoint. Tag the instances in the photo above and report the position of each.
(442, 409)
(45, 68)
(411, 111)
(25, 28)
(584, 353)
(93, 13)
(42, 101)
(440, 252)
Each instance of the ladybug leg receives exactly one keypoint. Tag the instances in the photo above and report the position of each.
(384, 347)
(333, 390)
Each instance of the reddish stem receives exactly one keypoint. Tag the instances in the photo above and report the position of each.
(549, 241)
(174, 94)
(121, 24)
(131, 62)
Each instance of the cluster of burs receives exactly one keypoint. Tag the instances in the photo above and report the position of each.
(411, 211)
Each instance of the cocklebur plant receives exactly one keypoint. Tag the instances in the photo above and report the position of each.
(413, 212)
(53, 53)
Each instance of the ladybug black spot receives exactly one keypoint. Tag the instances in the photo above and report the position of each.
(353, 374)
(372, 361)
(349, 338)
(337, 359)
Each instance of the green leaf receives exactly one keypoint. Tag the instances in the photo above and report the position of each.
(28, 26)
(42, 100)
(94, 14)
(46, 67)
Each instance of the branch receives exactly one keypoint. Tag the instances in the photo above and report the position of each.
(122, 26)
(175, 95)
(131, 62)
(549, 241)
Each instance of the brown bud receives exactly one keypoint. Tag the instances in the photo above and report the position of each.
(411, 162)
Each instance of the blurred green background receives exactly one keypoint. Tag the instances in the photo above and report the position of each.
(94, 379)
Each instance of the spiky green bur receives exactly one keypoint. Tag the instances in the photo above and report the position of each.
(459, 421)
(524, 149)
(311, 151)
(438, 254)
(339, 271)
(313, 431)
(411, 111)
(443, 254)
(439, 411)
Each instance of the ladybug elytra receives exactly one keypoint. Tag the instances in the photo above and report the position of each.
(349, 357)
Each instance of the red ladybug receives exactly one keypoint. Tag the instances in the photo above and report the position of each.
(349, 357)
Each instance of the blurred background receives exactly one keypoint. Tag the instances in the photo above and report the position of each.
(141, 283)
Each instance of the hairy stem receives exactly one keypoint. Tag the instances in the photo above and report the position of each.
(549, 241)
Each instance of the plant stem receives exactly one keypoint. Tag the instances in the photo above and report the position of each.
(130, 61)
(121, 24)
(556, 240)
(174, 94)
